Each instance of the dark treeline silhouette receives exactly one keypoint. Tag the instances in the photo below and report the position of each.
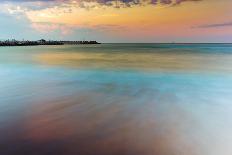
(43, 42)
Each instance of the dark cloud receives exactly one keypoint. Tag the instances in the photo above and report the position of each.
(115, 3)
(215, 25)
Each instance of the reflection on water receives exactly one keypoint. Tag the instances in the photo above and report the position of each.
(145, 61)
(116, 99)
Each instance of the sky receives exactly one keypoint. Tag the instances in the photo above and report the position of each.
(117, 21)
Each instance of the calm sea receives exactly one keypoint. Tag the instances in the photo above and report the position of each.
(116, 99)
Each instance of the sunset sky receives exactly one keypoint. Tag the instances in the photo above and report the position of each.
(118, 21)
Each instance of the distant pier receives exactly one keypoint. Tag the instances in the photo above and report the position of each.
(43, 42)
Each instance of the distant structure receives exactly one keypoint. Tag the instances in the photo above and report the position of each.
(79, 42)
(43, 42)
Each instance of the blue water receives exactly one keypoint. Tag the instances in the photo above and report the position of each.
(110, 99)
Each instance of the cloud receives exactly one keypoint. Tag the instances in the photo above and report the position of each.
(51, 27)
(215, 25)
(48, 17)
(65, 29)
(44, 4)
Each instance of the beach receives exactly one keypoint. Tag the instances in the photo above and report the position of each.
(116, 99)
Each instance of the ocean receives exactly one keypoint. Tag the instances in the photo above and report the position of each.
(116, 99)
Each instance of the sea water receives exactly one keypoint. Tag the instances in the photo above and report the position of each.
(116, 99)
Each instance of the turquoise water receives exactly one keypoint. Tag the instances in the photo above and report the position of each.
(110, 99)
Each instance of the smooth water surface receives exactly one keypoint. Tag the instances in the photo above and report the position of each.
(116, 99)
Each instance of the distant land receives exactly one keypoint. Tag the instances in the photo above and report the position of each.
(43, 42)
